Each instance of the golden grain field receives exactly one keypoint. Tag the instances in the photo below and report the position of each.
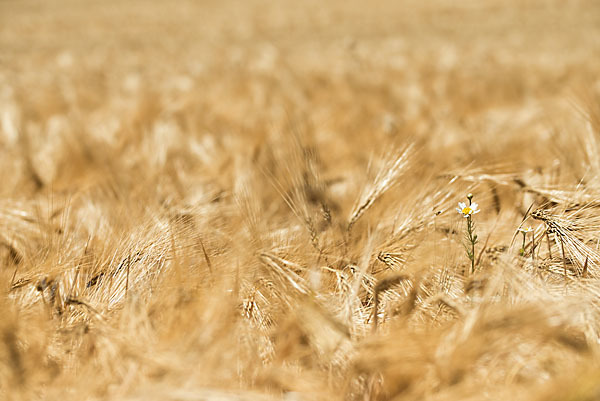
(236, 201)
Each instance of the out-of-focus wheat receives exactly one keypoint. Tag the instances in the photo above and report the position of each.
(255, 201)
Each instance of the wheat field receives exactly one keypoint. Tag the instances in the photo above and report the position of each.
(235, 201)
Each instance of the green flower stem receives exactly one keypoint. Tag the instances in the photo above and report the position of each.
(470, 237)
(472, 240)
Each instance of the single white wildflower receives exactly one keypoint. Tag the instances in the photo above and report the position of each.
(525, 230)
(467, 210)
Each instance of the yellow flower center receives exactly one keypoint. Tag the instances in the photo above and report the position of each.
(467, 210)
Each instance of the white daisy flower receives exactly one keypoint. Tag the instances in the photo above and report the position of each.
(525, 230)
(467, 210)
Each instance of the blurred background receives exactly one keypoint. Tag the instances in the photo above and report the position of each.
(78, 75)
